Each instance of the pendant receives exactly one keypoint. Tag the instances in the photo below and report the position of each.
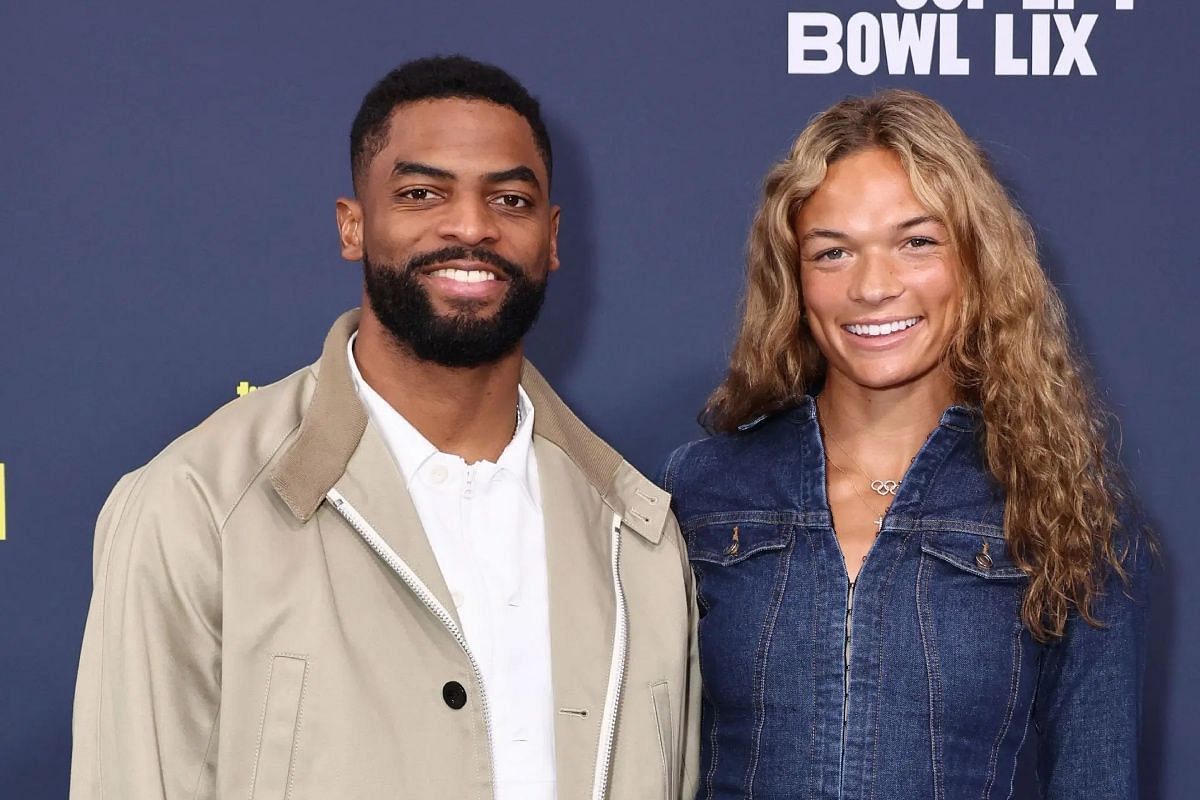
(884, 488)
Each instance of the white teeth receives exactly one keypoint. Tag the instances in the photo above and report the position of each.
(464, 275)
(884, 329)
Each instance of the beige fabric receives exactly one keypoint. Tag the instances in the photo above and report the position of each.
(244, 642)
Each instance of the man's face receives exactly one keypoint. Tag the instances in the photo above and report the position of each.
(455, 230)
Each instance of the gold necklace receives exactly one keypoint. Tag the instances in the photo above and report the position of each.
(881, 488)
(853, 485)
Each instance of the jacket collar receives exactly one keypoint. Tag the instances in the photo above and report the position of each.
(959, 417)
(333, 424)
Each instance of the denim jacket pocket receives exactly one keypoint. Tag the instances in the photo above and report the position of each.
(979, 554)
(726, 543)
(969, 606)
(742, 562)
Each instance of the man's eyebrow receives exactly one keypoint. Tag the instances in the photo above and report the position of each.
(521, 173)
(417, 168)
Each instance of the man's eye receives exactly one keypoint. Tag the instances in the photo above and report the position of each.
(513, 201)
(415, 193)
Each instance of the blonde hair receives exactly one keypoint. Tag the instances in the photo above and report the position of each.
(1045, 436)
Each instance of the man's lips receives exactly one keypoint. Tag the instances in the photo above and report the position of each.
(465, 271)
(465, 281)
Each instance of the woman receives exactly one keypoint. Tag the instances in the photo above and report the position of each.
(909, 541)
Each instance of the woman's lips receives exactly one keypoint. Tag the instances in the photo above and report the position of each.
(878, 335)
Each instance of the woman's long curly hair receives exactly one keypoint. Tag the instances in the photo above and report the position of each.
(1045, 436)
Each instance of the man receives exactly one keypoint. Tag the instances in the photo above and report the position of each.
(407, 571)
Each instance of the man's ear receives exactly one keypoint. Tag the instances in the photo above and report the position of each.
(555, 213)
(350, 228)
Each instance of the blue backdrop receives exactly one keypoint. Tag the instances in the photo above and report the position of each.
(169, 172)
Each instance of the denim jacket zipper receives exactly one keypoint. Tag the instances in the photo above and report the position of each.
(847, 653)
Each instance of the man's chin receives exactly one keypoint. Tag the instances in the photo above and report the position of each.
(464, 310)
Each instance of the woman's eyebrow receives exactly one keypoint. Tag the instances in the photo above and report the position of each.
(823, 233)
(915, 221)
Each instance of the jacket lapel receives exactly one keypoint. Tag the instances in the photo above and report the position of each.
(583, 481)
(582, 613)
(373, 484)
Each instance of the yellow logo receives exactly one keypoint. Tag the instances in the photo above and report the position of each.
(244, 388)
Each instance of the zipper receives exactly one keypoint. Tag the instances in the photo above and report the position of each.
(418, 587)
(616, 673)
(847, 653)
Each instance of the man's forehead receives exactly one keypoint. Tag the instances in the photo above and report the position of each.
(475, 134)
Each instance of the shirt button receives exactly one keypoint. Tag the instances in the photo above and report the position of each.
(438, 474)
(454, 694)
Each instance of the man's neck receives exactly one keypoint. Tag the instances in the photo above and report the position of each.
(468, 412)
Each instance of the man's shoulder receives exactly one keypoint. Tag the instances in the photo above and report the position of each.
(214, 463)
(643, 506)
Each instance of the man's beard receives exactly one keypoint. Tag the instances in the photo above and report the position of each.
(459, 339)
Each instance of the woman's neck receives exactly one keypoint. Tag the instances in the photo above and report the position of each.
(879, 431)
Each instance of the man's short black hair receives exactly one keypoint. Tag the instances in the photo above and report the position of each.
(434, 78)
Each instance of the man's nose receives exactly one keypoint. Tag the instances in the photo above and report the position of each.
(468, 220)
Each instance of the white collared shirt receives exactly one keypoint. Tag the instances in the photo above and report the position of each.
(484, 524)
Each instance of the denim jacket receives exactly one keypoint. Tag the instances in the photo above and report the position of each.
(927, 685)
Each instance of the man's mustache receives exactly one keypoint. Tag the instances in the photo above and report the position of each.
(459, 253)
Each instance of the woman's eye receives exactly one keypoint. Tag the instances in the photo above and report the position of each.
(921, 241)
(831, 255)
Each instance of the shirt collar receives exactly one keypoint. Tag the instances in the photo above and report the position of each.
(411, 449)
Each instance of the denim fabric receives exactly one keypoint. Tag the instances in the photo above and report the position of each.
(944, 680)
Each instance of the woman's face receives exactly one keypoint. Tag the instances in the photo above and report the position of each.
(879, 276)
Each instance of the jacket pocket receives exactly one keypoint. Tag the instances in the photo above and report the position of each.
(983, 556)
(742, 562)
(729, 543)
(279, 729)
(660, 697)
(744, 554)
(969, 597)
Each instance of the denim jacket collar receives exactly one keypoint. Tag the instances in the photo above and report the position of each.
(916, 485)
(957, 416)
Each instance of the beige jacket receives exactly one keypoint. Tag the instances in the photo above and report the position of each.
(269, 621)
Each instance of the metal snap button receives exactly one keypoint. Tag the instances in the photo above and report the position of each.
(734, 543)
(983, 559)
(454, 694)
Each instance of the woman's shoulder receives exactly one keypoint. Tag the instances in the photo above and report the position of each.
(713, 457)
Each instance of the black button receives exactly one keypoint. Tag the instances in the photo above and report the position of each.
(454, 694)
